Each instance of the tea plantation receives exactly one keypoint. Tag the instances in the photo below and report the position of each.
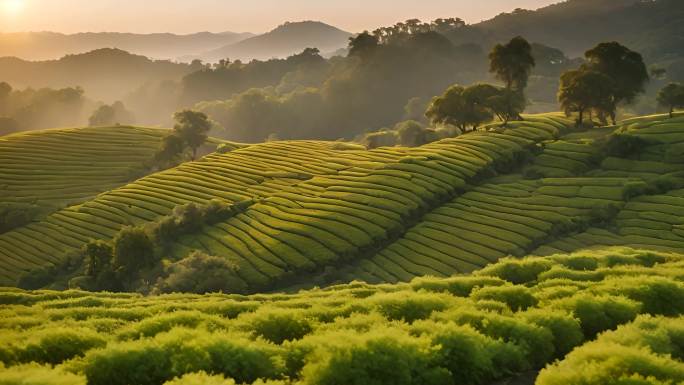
(311, 212)
(517, 316)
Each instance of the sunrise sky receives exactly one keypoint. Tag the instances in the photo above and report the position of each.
(187, 16)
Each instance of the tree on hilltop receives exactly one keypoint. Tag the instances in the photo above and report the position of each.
(512, 63)
(193, 128)
(625, 67)
(582, 91)
(671, 97)
(363, 45)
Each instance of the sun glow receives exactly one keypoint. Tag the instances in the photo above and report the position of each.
(12, 7)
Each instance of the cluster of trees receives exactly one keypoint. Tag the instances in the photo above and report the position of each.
(344, 96)
(463, 107)
(612, 75)
(107, 115)
(137, 253)
(37, 109)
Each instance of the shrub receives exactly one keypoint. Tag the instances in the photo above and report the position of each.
(517, 271)
(515, 296)
(150, 327)
(458, 286)
(599, 313)
(408, 306)
(566, 330)
(605, 363)
(658, 295)
(201, 273)
(466, 353)
(34, 374)
(133, 250)
(54, 346)
(536, 343)
(626, 146)
(577, 261)
(380, 357)
(170, 355)
(200, 378)
(277, 325)
(573, 275)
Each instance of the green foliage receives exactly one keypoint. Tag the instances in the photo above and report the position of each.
(671, 97)
(13, 216)
(459, 330)
(35, 374)
(277, 325)
(107, 115)
(599, 313)
(375, 358)
(512, 63)
(192, 127)
(584, 91)
(201, 273)
(133, 250)
(517, 271)
(638, 353)
(515, 296)
(200, 378)
(179, 352)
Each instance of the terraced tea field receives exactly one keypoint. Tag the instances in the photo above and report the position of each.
(308, 205)
(56, 168)
(515, 316)
(310, 212)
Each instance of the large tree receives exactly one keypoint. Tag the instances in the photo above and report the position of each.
(671, 97)
(192, 127)
(462, 107)
(512, 63)
(583, 91)
(625, 67)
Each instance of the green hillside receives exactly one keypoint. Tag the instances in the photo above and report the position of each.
(292, 198)
(508, 320)
(52, 169)
(319, 213)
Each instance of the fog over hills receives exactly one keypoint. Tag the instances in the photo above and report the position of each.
(52, 45)
(285, 40)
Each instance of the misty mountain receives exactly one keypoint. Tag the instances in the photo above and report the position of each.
(287, 39)
(652, 27)
(105, 74)
(51, 45)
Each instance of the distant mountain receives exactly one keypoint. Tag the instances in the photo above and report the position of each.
(653, 27)
(283, 41)
(51, 45)
(106, 74)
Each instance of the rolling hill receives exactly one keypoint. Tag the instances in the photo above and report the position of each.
(312, 212)
(38, 46)
(105, 74)
(285, 40)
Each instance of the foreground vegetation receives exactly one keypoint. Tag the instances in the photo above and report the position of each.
(509, 318)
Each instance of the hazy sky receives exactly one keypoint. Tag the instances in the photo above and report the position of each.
(186, 16)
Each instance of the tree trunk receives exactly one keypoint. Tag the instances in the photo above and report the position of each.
(613, 118)
(580, 120)
(671, 112)
(194, 153)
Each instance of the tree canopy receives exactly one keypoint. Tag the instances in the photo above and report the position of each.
(193, 128)
(671, 97)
